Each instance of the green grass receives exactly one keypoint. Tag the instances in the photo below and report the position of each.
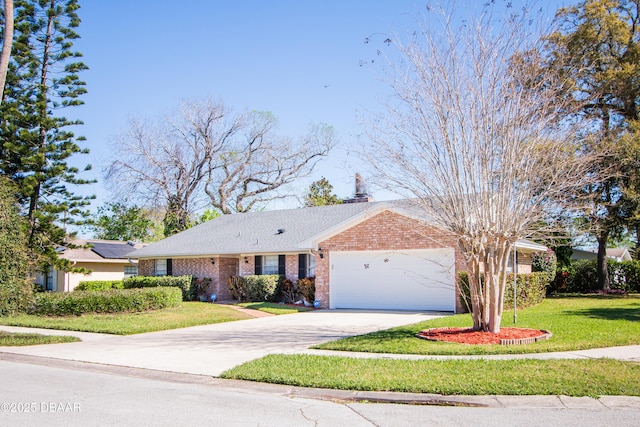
(184, 315)
(273, 308)
(575, 322)
(13, 339)
(451, 377)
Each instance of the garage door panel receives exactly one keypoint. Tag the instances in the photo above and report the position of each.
(394, 280)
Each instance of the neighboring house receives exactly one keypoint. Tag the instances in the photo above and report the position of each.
(616, 254)
(107, 260)
(379, 255)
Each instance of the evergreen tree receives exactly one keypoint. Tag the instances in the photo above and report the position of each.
(42, 79)
(320, 193)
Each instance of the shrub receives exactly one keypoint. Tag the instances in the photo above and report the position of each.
(289, 290)
(99, 285)
(583, 278)
(16, 290)
(530, 289)
(235, 284)
(109, 301)
(545, 262)
(631, 271)
(200, 285)
(185, 283)
(307, 287)
(260, 287)
(623, 276)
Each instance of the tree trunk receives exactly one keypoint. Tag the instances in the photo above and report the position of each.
(603, 272)
(7, 43)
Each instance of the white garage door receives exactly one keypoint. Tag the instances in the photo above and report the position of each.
(393, 280)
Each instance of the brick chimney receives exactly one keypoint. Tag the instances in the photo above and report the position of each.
(361, 194)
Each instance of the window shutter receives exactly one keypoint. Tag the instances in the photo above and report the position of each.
(282, 265)
(258, 265)
(169, 267)
(302, 266)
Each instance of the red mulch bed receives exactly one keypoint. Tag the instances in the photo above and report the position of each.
(468, 336)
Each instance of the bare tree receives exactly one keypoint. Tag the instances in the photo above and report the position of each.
(7, 43)
(204, 151)
(251, 168)
(473, 134)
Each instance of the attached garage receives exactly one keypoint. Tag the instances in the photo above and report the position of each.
(422, 279)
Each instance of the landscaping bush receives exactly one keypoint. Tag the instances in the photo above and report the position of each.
(530, 289)
(199, 286)
(99, 285)
(289, 291)
(16, 290)
(110, 301)
(185, 283)
(254, 288)
(631, 271)
(235, 284)
(260, 287)
(623, 276)
(545, 262)
(307, 287)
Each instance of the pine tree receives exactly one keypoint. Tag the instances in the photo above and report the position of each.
(42, 79)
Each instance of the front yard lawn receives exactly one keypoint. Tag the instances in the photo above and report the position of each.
(184, 315)
(448, 377)
(11, 339)
(576, 322)
(273, 308)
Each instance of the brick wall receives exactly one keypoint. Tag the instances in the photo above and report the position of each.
(216, 268)
(385, 231)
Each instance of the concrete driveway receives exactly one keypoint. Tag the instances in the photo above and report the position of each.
(212, 349)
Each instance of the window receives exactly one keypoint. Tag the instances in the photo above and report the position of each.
(270, 264)
(306, 265)
(48, 281)
(163, 267)
(131, 270)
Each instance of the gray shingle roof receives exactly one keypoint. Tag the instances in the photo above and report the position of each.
(257, 232)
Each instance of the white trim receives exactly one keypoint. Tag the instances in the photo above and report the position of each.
(528, 246)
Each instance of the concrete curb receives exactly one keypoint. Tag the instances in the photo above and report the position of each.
(342, 396)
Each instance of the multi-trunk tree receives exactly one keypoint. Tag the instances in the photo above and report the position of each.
(42, 79)
(206, 155)
(474, 135)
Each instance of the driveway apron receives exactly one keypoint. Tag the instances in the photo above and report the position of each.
(212, 349)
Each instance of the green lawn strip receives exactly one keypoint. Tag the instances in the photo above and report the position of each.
(273, 308)
(13, 339)
(184, 315)
(593, 377)
(575, 322)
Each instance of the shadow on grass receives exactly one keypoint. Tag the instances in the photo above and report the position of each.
(631, 313)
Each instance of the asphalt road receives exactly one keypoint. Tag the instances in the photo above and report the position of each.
(38, 394)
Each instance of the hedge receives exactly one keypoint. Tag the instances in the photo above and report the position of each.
(582, 276)
(185, 283)
(254, 287)
(261, 287)
(110, 301)
(530, 289)
(99, 285)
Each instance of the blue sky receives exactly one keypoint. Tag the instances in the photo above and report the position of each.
(300, 60)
